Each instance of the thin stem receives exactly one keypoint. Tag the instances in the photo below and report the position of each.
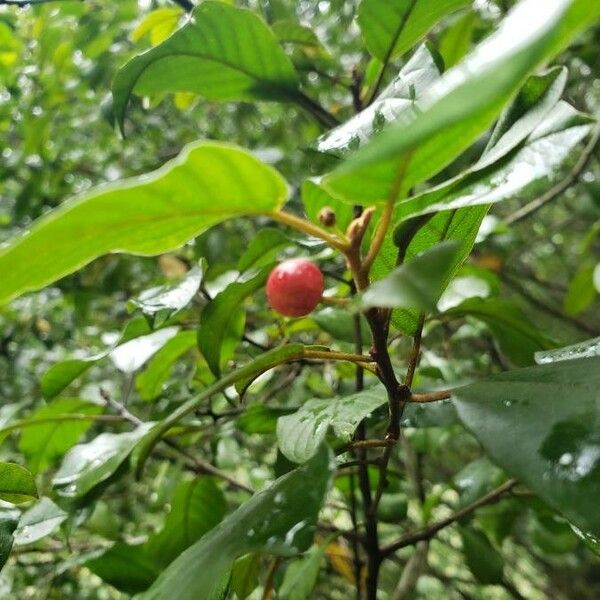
(332, 355)
(431, 396)
(309, 228)
(386, 217)
(379, 237)
(428, 532)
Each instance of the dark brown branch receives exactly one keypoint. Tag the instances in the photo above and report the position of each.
(428, 532)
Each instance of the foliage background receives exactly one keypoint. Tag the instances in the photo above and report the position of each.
(57, 62)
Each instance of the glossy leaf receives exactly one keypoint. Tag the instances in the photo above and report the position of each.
(63, 373)
(161, 303)
(301, 575)
(434, 414)
(40, 520)
(402, 95)
(217, 315)
(540, 425)
(151, 380)
(87, 465)
(525, 173)
(392, 28)
(43, 443)
(300, 434)
(463, 103)
(279, 520)
(207, 183)
(130, 356)
(417, 284)
(587, 349)
(517, 336)
(222, 53)
(533, 103)
(17, 484)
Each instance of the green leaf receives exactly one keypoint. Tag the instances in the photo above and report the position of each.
(517, 336)
(262, 419)
(484, 561)
(7, 526)
(541, 425)
(151, 380)
(402, 95)
(301, 575)
(197, 507)
(217, 315)
(43, 443)
(207, 183)
(456, 41)
(463, 103)
(40, 520)
(430, 414)
(291, 32)
(223, 53)
(263, 248)
(392, 28)
(417, 284)
(548, 147)
(300, 434)
(586, 349)
(87, 465)
(61, 374)
(158, 24)
(161, 303)
(17, 484)
(244, 575)
(139, 575)
(131, 355)
(460, 226)
(279, 520)
(339, 324)
(581, 292)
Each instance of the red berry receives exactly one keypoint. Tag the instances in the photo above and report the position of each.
(295, 287)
